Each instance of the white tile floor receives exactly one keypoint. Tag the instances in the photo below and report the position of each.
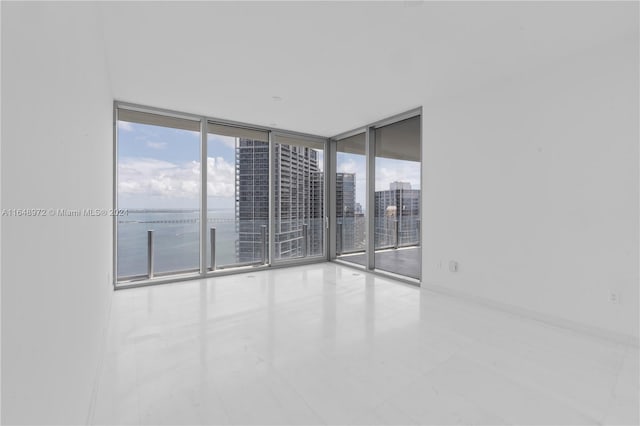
(327, 344)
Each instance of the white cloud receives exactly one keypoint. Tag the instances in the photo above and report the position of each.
(125, 125)
(221, 178)
(156, 178)
(148, 176)
(388, 171)
(349, 166)
(157, 145)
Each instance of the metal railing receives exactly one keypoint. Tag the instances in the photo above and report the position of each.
(159, 248)
(396, 236)
(305, 240)
(350, 235)
(265, 243)
(150, 253)
(390, 233)
(212, 242)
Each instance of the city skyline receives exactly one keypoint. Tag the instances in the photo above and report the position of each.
(159, 168)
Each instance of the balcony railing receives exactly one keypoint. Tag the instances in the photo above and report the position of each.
(157, 244)
(389, 233)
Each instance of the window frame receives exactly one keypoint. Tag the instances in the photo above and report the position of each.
(204, 272)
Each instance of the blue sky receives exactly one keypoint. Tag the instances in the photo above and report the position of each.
(159, 167)
(387, 171)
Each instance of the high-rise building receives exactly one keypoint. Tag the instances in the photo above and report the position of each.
(252, 198)
(397, 215)
(316, 216)
(394, 186)
(299, 200)
(347, 218)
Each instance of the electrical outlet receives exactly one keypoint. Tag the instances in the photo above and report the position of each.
(614, 297)
(453, 266)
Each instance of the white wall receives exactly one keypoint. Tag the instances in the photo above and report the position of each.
(56, 153)
(531, 184)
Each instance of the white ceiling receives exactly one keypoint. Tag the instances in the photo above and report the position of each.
(335, 65)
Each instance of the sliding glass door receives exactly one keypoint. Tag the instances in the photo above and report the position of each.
(397, 198)
(237, 196)
(299, 201)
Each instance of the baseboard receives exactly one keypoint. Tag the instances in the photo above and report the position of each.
(575, 326)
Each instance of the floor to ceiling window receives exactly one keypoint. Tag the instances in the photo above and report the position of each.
(203, 195)
(158, 169)
(397, 198)
(264, 198)
(378, 207)
(237, 196)
(299, 202)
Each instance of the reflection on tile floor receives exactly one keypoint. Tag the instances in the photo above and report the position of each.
(326, 344)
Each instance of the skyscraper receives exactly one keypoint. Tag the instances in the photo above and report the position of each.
(299, 200)
(316, 222)
(252, 198)
(345, 212)
(397, 215)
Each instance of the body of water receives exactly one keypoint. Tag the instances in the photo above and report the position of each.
(176, 240)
